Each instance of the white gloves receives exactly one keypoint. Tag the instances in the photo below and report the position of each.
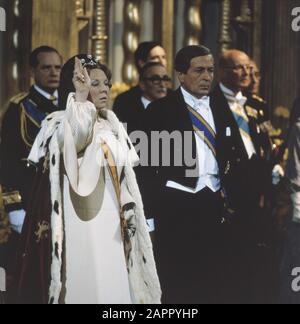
(151, 225)
(16, 219)
(277, 174)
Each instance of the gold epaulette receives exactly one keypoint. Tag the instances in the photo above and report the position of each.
(10, 198)
(5, 230)
(260, 99)
(251, 111)
(4, 222)
(19, 97)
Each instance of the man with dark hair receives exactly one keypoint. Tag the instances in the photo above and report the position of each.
(252, 94)
(34, 55)
(21, 124)
(150, 52)
(145, 53)
(255, 78)
(154, 84)
(188, 200)
(185, 55)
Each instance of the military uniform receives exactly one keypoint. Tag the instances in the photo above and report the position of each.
(262, 115)
(21, 124)
(264, 284)
(253, 175)
(271, 138)
(260, 105)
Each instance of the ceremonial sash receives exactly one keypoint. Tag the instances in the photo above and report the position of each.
(243, 123)
(33, 113)
(203, 130)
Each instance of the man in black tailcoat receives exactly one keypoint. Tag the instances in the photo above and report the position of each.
(191, 206)
(251, 164)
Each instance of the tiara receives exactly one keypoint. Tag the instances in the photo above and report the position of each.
(89, 61)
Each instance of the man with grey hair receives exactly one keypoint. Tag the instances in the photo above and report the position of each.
(250, 166)
(242, 120)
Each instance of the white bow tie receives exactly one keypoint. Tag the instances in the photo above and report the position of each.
(204, 101)
(240, 100)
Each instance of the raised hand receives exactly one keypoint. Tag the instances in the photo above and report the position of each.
(81, 81)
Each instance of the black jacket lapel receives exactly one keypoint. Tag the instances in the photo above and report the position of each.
(226, 119)
(182, 118)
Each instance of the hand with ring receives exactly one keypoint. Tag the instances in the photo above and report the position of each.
(81, 81)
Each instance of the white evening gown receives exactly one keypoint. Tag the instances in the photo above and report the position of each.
(96, 270)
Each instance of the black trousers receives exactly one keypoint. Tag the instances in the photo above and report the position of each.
(191, 247)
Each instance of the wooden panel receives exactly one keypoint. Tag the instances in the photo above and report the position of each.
(15, 49)
(168, 32)
(54, 23)
(193, 23)
(281, 52)
(131, 39)
(257, 31)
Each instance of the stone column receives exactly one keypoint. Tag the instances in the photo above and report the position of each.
(15, 49)
(280, 55)
(168, 31)
(55, 23)
(225, 39)
(99, 38)
(257, 31)
(131, 35)
(193, 23)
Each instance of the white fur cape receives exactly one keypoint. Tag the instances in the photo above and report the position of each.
(144, 282)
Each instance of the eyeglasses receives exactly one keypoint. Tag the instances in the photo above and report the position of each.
(156, 80)
(256, 74)
(239, 68)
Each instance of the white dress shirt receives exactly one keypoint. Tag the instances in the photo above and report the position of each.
(236, 104)
(145, 102)
(46, 94)
(208, 167)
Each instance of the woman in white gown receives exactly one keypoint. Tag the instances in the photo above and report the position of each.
(101, 249)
